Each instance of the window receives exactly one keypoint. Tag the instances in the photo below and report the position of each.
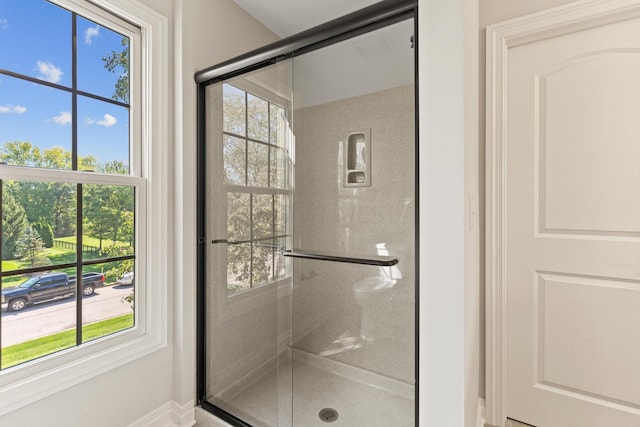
(81, 230)
(256, 152)
(80, 184)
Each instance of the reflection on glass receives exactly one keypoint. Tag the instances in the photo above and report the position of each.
(234, 110)
(34, 133)
(38, 316)
(281, 210)
(103, 61)
(278, 168)
(279, 261)
(38, 225)
(234, 159)
(277, 125)
(108, 219)
(254, 136)
(238, 216)
(238, 268)
(258, 164)
(48, 59)
(258, 115)
(107, 306)
(103, 136)
(262, 261)
(262, 217)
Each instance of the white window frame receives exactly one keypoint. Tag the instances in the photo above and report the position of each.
(26, 383)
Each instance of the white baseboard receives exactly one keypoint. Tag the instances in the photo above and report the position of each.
(170, 414)
(481, 413)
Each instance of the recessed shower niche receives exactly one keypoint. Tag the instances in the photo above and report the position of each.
(357, 156)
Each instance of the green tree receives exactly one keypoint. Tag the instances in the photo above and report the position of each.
(118, 62)
(50, 202)
(120, 268)
(46, 232)
(108, 212)
(14, 221)
(21, 153)
(30, 247)
(55, 158)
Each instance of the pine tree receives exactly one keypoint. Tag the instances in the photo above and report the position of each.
(30, 247)
(14, 221)
(46, 233)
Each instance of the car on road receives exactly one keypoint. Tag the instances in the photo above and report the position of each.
(126, 279)
(48, 287)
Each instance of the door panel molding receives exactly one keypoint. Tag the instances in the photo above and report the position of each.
(501, 37)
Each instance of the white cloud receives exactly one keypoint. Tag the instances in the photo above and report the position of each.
(18, 109)
(90, 33)
(63, 118)
(4, 23)
(49, 72)
(107, 121)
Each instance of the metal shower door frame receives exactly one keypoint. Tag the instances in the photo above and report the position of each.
(378, 15)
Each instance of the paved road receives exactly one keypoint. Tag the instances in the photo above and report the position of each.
(48, 318)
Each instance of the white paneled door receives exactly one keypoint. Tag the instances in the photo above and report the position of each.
(570, 226)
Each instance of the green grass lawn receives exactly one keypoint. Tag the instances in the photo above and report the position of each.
(29, 350)
(90, 241)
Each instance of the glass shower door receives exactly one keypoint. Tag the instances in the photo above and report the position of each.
(307, 254)
(249, 150)
(353, 347)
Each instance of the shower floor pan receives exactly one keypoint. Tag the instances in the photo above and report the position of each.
(360, 397)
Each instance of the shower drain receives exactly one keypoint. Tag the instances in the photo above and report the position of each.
(328, 415)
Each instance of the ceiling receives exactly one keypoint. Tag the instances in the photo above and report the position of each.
(287, 17)
(369, 63)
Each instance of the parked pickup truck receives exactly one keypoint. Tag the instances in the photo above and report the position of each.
(48, 287)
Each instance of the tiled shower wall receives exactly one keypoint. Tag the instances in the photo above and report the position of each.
(333, 218)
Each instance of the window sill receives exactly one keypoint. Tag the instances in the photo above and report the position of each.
(32, 381)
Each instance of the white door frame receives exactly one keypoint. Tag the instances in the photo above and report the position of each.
(565, 19)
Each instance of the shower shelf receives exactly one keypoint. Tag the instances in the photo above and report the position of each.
(357, 158)
(319, 256)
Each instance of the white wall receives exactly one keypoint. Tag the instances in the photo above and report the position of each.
(211, 32)
(474, 301)
(449, 300)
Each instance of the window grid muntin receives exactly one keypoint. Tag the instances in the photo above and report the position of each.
(260, 190)
(274, 237)
(80, 262)
(271, 145)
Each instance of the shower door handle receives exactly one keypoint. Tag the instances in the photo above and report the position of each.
(319, 256)
(230, 242)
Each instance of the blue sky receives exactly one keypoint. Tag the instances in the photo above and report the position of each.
(35, 40)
